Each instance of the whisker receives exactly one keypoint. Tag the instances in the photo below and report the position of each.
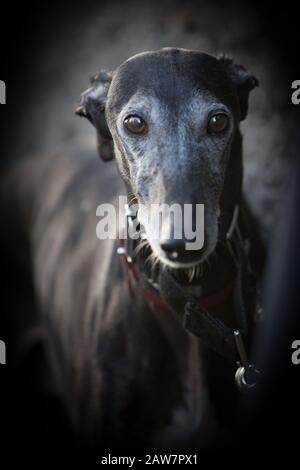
(140, 246)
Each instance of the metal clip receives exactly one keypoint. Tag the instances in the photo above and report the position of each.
(129, 243)
(247, 375)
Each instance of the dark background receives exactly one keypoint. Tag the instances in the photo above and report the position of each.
(47, 55)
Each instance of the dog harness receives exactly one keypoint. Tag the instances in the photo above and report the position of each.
(195, 314)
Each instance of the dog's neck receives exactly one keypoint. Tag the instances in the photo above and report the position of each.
(232, 189)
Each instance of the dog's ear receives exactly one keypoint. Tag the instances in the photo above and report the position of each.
(92, 106)
(242, 80)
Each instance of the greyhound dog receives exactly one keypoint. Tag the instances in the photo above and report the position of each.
(127, 369)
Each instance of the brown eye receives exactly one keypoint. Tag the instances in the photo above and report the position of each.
(217, 123)
(135, 124)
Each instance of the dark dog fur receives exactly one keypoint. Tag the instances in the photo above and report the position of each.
(126, 373)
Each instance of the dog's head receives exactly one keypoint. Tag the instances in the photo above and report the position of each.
(171, 119)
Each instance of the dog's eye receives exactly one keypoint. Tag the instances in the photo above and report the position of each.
(135, 124)
(217, 123)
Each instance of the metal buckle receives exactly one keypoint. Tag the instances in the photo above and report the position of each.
(246, 376)
(127, 249)
(130, 216)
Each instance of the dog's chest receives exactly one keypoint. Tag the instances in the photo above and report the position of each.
(189, 414)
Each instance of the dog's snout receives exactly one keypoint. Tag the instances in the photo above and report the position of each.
(176, 250)
(173, 248)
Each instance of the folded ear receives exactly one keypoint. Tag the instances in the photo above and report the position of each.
(92, 106)
(242, 80)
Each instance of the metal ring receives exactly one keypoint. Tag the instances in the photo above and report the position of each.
(240, 377)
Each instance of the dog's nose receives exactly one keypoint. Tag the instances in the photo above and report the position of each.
(177, 251)
(173, 248)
